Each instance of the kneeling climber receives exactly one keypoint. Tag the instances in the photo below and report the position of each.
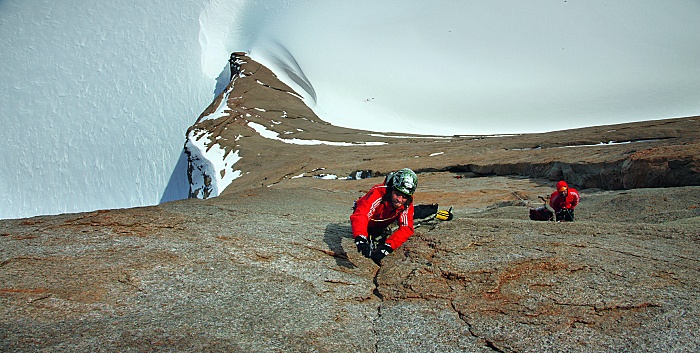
(563, 202)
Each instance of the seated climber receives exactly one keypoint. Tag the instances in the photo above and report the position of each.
(384, 204)
(563, 201)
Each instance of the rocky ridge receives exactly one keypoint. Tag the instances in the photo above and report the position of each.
(270, 265)
(661, 153)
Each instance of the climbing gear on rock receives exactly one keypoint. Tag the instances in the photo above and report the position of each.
(444, 215)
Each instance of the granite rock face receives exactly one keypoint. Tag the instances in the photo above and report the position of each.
(269, 265)
(275, 269)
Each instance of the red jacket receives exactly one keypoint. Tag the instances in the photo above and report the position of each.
(373, 211)
(569, 202)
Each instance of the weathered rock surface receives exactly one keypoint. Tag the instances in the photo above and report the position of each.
(269, 266)
(274, 269)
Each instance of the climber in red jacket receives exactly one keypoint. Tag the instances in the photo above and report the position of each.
(383, 205)
(563, 202)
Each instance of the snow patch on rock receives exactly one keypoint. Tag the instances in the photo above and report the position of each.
(210, 167)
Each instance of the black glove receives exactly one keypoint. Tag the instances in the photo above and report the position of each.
(362, 245)
(379, 254)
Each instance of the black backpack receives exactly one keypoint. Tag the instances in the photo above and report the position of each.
(421, 212)
(541, 213)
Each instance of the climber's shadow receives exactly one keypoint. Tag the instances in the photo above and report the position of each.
(335, 232)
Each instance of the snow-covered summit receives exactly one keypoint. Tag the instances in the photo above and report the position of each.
(256, 113)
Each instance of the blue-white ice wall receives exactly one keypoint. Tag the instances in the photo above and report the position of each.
(95, 100)
(96, 96)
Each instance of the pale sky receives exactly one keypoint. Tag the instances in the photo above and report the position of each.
(488, 67)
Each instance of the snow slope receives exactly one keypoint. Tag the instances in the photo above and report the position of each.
(96, 96)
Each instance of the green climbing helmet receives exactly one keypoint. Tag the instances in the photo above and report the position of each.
(405, 181)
